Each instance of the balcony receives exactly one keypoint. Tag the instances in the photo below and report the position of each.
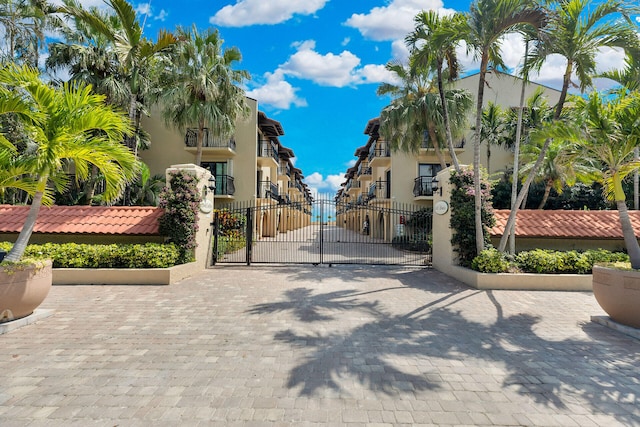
(268, 190)
(284, 172)
(380, 155)
(352, 187)
(210, 143)
(364, 173)
(458, 145)
(379, 190)
(224, 186)
(422, 186)
(268, 154)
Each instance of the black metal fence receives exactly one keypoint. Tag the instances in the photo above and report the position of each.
(322, 232)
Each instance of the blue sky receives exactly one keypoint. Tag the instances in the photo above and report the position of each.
(316, 64)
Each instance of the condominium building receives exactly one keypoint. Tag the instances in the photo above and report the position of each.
(252, 167)
(382, 178)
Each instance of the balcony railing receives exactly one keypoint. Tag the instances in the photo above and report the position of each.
(381, 150)
(364, 170)
(267, 189)
(379, 190)
(284, 170)
(352, 184)
(422, 186)
(456, 144)
(209, 141)
(225, 185)
(295, 184)
(266, 149)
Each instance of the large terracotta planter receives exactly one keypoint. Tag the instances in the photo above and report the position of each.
(618, 293)
(23, 288)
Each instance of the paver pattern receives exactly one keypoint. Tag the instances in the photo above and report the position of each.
(309, 346)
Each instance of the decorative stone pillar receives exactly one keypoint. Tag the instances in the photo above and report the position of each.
(205, 214)
(443, 255)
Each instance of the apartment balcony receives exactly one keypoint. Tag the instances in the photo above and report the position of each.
(380, 156)
(284, 172)
(225, 186)
(211, 144)
(379, 191)
(295, 186)
(422, 186)
(268, 154)
(268, 190)
(353, 187)
(364, 173)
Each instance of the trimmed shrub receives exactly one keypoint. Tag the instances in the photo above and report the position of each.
(491, 261)
(74, 255)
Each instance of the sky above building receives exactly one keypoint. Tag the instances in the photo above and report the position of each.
(315, 65)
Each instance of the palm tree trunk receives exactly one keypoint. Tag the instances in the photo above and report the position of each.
(547, 191)
(525, 187)
(630, 240)
(436, 148)
(447, 125)
(516, 159)
(20, 245)
(476, 158)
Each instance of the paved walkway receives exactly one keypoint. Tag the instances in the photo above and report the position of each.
(311, 345)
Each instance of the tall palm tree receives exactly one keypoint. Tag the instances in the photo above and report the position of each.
(577, 33)
(136, 54)
(24, 23)
(416, 109)
(434, 41)
(561, 167)
(607, 132)
(202, 88)
(68, 125)
(488, 21)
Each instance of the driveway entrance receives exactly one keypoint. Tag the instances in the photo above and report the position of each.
(322, 232)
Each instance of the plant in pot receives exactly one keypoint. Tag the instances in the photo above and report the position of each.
(604, 131)
(62, 131)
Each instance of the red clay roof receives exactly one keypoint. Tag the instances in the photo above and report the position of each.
(565, 224)
(129, 220)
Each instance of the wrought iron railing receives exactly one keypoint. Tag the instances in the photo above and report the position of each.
(265, 149)
(225, 185)
(364, 170)
(267, 189)
(423, 186)
(379, 190)
(209, 141)
(380, 151)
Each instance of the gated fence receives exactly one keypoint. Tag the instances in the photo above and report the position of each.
(322, 232)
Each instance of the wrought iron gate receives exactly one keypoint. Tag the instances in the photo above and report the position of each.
(322, 232)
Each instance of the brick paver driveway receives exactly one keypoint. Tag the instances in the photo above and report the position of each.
(305, 345)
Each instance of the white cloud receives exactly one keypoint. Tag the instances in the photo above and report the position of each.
(351, 163)
(320, 185)
(143, 8)
(393, 21)
(337, 70)
(251, 12)
(146, 10)
(277, 92)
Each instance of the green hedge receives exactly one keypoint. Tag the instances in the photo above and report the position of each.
(544, 261)
(73, 255)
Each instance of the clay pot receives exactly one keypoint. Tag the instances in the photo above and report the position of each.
(618, 293)
(23, 289)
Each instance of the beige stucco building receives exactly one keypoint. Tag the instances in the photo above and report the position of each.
(382, 179)
(252, 168)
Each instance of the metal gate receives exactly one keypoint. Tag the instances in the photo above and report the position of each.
(322, 232)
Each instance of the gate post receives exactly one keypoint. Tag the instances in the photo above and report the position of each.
(216, 234)
(442, 254)
(249, 234)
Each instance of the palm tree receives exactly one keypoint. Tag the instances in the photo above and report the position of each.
(576, 33)
(416, 110)
(136, 54)
(433, 42)
(24, 23)
(606, 130)
(68, 125)
(202, 87)
(488, 21)
(494, 130)
(561, 167)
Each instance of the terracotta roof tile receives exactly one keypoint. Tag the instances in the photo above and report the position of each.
(131, 220)
(565, 224)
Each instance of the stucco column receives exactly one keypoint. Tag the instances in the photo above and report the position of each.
(443, 255)
(205, 213)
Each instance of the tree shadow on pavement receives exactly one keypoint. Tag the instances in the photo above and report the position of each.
(567, 372)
